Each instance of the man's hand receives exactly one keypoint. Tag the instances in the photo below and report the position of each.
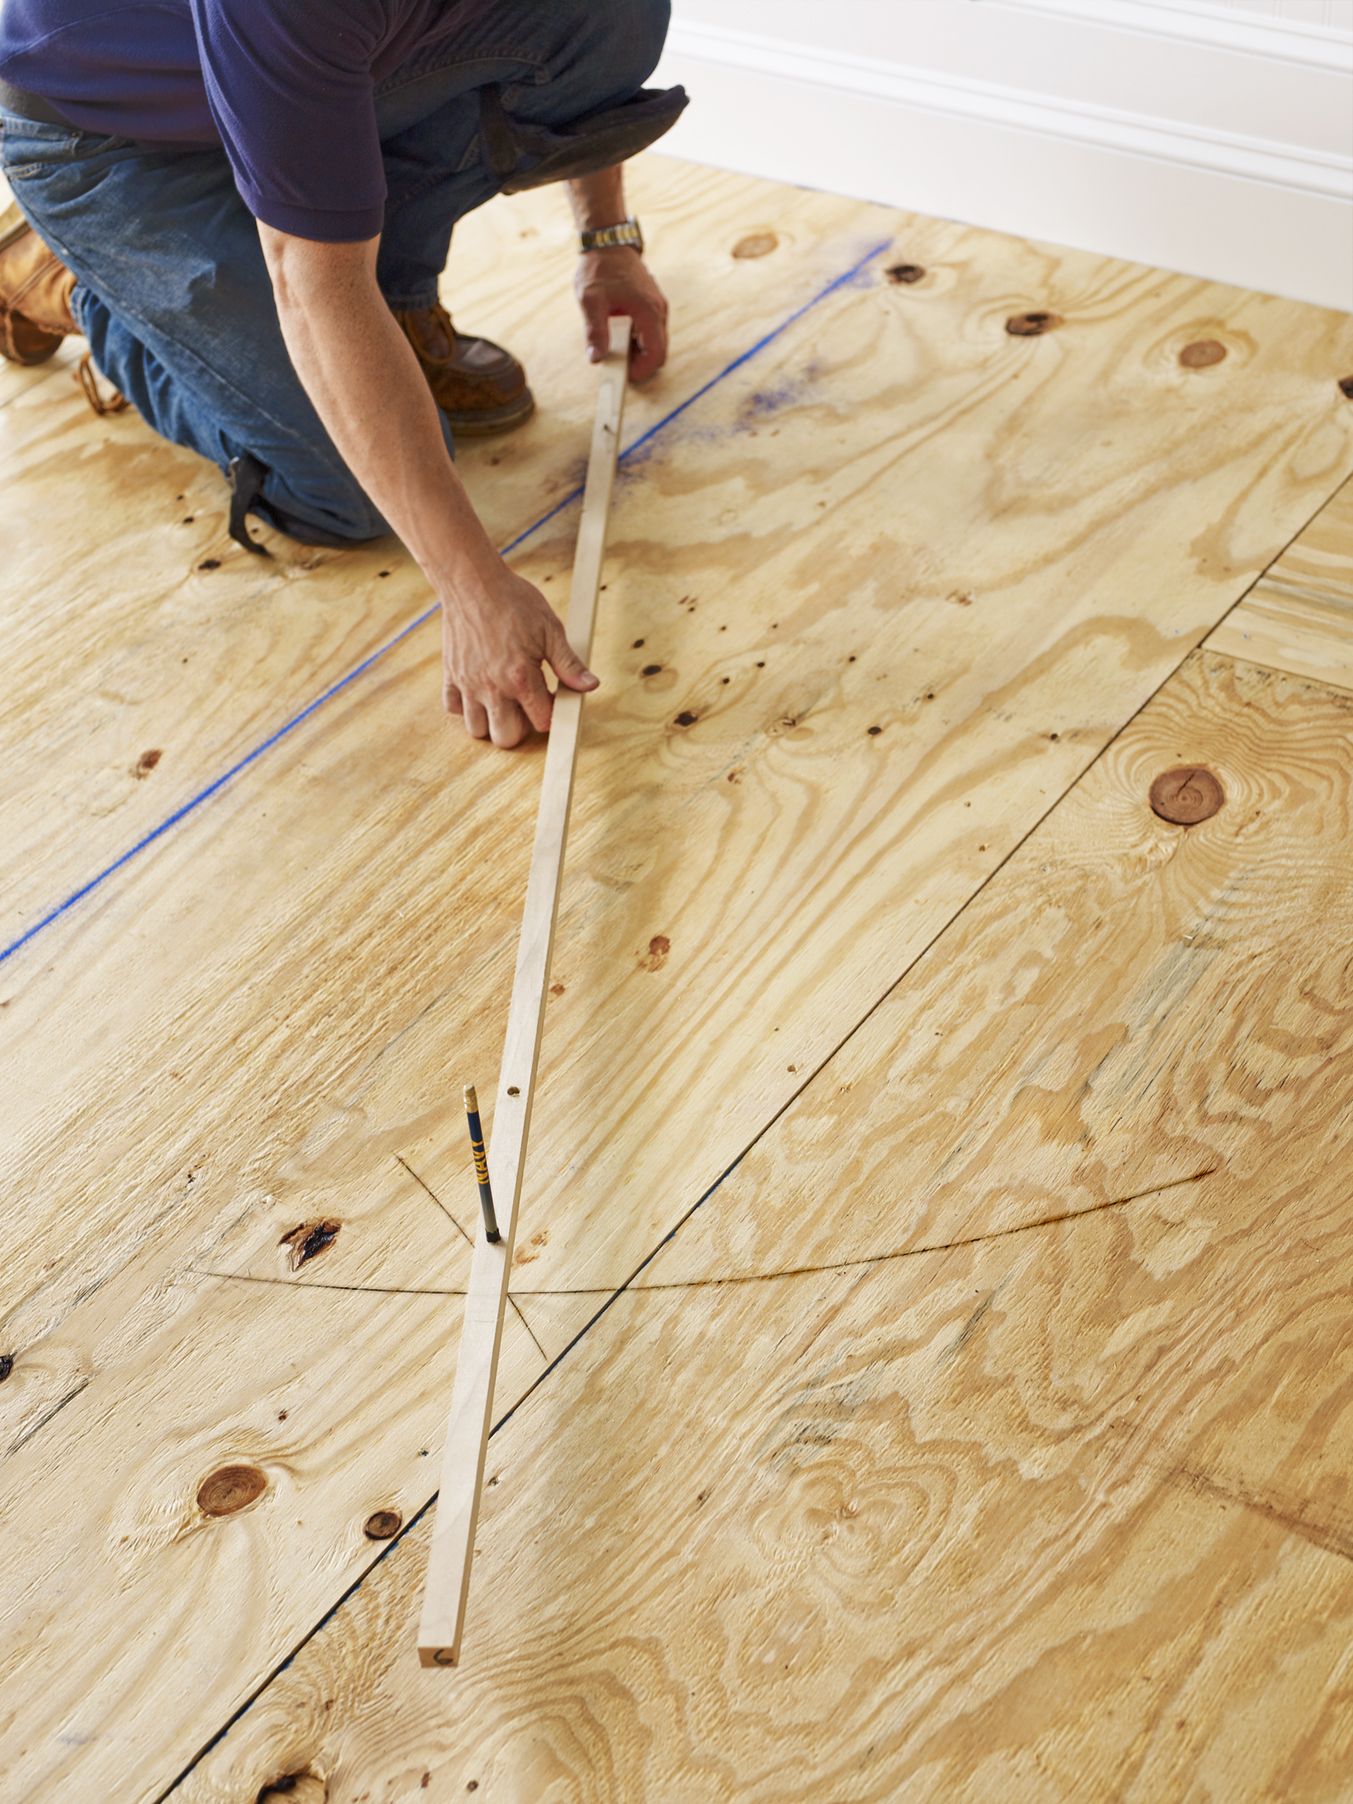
(618, 281)
(494, 638)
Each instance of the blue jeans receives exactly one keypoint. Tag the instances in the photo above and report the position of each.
(171, 288)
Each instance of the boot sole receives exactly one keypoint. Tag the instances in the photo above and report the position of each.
(484, 422)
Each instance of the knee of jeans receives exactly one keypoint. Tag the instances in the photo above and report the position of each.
(645, 28)
(337, 513)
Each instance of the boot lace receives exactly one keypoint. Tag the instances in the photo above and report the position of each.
(88, 378)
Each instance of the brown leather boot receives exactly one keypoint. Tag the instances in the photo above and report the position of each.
(480, 387)
(35, 291)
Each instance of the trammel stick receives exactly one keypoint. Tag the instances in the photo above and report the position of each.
(481, 1335)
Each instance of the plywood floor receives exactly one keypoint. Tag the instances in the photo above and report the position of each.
(930, 1372)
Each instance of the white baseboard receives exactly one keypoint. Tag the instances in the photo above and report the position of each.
(1062, 159)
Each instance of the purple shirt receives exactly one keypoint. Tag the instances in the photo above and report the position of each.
(287, 86)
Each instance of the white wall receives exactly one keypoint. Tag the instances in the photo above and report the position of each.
(1211, 136)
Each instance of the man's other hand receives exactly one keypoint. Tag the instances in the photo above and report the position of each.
(618, 281)
(495, 636)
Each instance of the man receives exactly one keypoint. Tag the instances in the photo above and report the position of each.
(245, 205)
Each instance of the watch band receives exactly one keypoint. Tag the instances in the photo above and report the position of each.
(611, 237)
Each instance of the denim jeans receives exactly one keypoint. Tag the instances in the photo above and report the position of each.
(171, 287)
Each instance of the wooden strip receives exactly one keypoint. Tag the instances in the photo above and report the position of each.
(467, 1428)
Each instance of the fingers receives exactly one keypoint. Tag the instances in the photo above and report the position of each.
(564, 661)
(508, 726)
(499, 718)
(595, 317)
(451, 698)
(648, 348)
(534, 698)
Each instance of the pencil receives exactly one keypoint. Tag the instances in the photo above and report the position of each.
(481, 1164)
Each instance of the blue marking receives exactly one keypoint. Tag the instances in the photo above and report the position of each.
(847, 278)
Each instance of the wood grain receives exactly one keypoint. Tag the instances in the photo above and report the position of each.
(895, 516)
(1299, 618)
(481, 1334)
(1046, 1497)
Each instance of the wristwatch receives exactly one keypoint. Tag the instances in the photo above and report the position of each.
(607, 238)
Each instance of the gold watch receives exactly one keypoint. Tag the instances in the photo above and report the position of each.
(607, 238)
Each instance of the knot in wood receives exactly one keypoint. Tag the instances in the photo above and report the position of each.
(1032, 325)
(297, 1788)
(308, 1238)
(755, 244)
(1346, 386)
(230, 1488)
(906, 273)
(1202, 353)
(382, 1525)
(1186, 795)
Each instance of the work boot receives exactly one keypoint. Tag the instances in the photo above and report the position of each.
(480, 387)
(35, 291)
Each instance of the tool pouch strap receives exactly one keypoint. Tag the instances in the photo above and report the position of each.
(522, 154)
(246, 476)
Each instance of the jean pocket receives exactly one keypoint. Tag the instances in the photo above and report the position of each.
(29, 149)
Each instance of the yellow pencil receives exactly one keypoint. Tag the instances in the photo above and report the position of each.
(481, 1164)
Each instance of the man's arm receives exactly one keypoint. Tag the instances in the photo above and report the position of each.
(616, 281)
(366, 385)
